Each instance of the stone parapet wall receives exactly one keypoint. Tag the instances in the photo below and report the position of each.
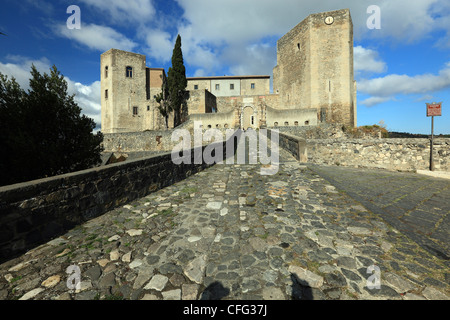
(34, 212)
(393, 154)
(293, 144)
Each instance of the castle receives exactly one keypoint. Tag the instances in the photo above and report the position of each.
(312, 82)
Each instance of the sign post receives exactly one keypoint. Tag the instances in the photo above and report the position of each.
(433, 109)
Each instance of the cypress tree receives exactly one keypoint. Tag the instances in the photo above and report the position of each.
(177, 82)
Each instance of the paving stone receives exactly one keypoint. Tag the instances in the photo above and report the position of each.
(384, 291)
(335, 279)
(143, 276)
(412, 296)
(93, 273)
(270, 293)
(433, 294)
(158, 282)
(172, 294)
(347, 262)
(306, 277)
(350, 275)
(31, 294)
(195, 269)
(189, 291)
(108, 280)
(398, 283)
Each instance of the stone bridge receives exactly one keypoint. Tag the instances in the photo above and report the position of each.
(228, 232)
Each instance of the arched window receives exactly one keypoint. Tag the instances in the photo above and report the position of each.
(129, 72)
(106, 71)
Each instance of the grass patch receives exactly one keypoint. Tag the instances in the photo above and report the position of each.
(114, 297)
(166, 212)
(15, 279)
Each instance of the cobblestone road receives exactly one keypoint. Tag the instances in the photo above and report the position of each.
(230, 233)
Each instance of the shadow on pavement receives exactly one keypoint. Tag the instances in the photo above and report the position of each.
(300, 289)
(215, 291)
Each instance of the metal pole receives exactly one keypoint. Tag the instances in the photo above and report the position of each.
(431, 145)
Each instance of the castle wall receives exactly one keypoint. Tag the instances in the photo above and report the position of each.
(203, 84)
(261, 86)
(332, 66)
(127, 93)
(291, 117)
(201, 101)
(315, 67)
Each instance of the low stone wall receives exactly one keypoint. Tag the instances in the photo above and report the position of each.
(293, 144)
(393, 154)
(215, 120)
(36, 211)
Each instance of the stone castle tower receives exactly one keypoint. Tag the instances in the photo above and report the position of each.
(128, 88)
(315, 67)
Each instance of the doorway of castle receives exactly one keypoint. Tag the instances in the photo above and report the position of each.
(248, 118)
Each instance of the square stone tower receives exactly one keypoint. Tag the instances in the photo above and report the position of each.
(128, 88)
(315, 67)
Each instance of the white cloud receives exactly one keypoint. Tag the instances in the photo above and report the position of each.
(97, 37)
(160, 45)
(367, 60)
(20, 67)
(391, 85)
(129, 11)
(254, 59)
(86, 96)
(370, 102)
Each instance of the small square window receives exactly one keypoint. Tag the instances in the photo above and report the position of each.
(135, 111)
(231, 86)
(252, 86)
(217, 86)
(195, 86)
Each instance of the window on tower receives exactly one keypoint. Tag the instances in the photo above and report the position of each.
(106, 72)
(129, 72)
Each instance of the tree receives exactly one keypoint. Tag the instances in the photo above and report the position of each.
(176, 80)
(42, 131)
(163, 98)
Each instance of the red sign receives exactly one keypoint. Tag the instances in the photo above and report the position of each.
(434, 109)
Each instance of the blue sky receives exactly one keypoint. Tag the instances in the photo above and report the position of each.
(398, 67)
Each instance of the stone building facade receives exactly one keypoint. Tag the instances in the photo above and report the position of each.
(312, 82)
(315, 67)
(128, 90)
